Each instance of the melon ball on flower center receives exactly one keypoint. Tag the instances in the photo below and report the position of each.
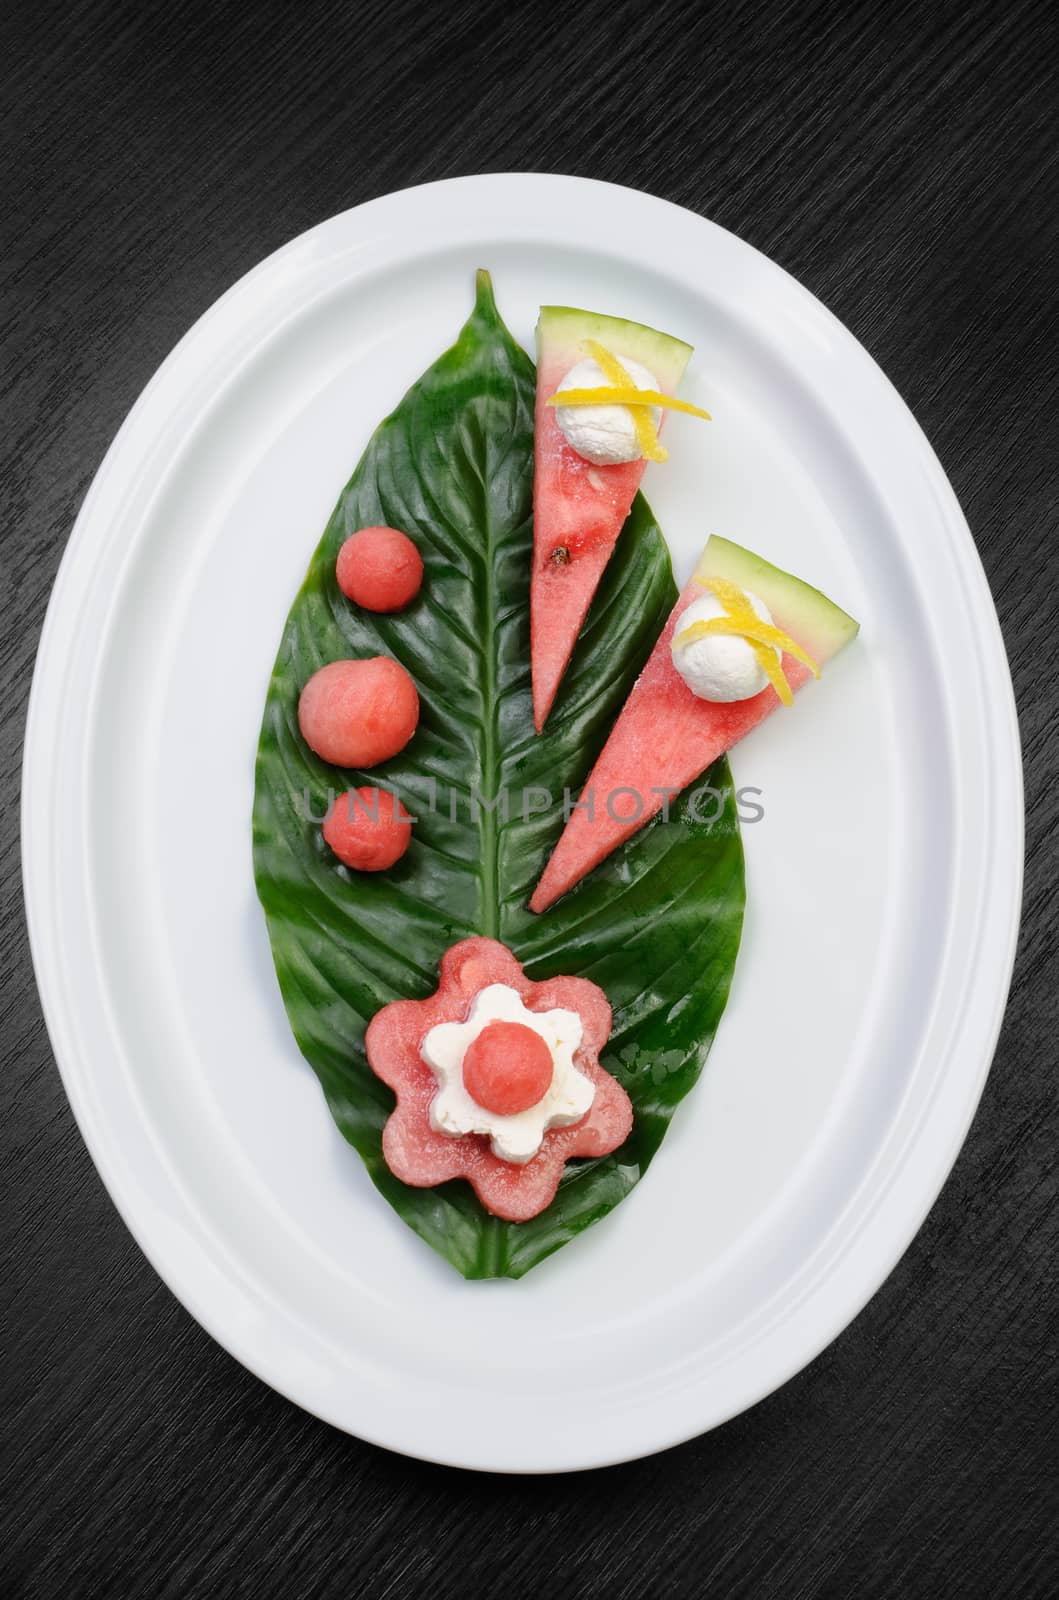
(507, 1068)
(358, 713)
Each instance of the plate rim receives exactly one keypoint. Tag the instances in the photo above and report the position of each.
(38, 821)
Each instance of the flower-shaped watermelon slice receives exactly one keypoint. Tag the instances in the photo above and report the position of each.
(420, 1155)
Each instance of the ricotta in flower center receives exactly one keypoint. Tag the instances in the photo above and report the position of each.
(517, 1137)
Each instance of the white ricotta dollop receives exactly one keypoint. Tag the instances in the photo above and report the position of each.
(604, 435)
(513, 1138)
(724, 666)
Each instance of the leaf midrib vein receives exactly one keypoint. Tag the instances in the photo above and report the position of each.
(488, 831)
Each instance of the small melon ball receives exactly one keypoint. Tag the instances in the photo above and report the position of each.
(380, 569)
(358, 713)
(368, 829)
(508, 1068)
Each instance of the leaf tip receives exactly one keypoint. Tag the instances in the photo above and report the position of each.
(484, 298)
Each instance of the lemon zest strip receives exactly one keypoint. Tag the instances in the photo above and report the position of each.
(739, 609)
(612, 369)
(760, 633)
(626, 397)
(761, 636)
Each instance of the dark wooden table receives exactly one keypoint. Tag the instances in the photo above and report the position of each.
(896, 160)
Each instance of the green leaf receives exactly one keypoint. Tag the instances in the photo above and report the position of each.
(657, 925)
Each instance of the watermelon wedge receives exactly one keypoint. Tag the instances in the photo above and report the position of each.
(578, 508)
(665, 736)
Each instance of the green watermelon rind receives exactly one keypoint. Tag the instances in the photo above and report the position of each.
(818, 624)
(564, 328)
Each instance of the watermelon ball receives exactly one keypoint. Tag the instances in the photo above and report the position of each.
(508, 1068)
(368, 829)
(380, 569)
(358, 713)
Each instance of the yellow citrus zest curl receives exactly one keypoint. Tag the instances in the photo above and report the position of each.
(626, 397)
(621, 380)
(621, 391)
(743, 621)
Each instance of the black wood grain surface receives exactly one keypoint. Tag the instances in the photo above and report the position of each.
(899, 160)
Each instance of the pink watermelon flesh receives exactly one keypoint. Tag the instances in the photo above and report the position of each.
(422, 1157)
(665, 736)
(578, 508)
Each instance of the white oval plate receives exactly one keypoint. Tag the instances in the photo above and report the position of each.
(884, 879)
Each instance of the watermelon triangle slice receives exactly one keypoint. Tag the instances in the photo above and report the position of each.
(578, 508)
(665, 736)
